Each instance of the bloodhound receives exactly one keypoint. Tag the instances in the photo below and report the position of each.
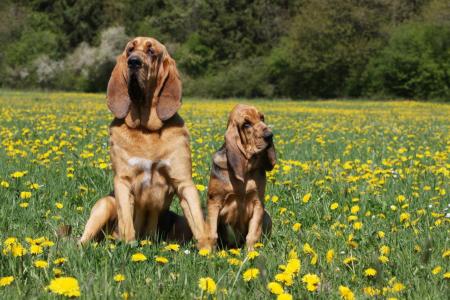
(237, 183)
(149, 149)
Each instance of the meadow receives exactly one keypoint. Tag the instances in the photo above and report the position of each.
(359, 199)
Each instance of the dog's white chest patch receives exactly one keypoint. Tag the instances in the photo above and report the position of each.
(145, 165)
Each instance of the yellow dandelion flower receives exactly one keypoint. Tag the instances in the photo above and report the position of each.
(252, 254)
(371, 291)
(25, 195)
(446, 275)
(207, 284)
(161, 259)
(397, 287)
(334, 205)
(4, 184)
(119, 277)
(24, 204)
(306, 198)
(312, 282)
(355, 209)
(275, 288)
(258, 245)
(293, 266)
(204, 252)
(401, 198)
(35, 249)
(346, 293)
(446, 254)
(385, 250)
(200, 187)
(370, 272)
(436, 270)
(284, 296)
(42, 264)
(330, 256)
(59, 205)
(250, 274)
(7, 280)
(137, 257)
(296, 227)
(172, 247)
(383, 259)
(234, 261)
(17, 250)
(18, 174)
(57, 272)
(404, 217)
(275, 199)
(65, 286)
(222, 254)
(381, 234)
(145, 243)
(357, 225)
(286, 278)
(236, 252)
(9, 241)
(60, 261)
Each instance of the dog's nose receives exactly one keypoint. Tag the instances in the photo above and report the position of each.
(134, 62)
(268, 135)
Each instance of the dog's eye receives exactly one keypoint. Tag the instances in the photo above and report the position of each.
(150, 51)
(130, 49)
(247, 125)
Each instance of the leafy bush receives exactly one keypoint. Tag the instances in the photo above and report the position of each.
(246, 78)
(414, 64)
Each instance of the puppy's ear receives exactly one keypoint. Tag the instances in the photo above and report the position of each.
(235, 151)
(270, 158)
(168, 89)
(117, 93)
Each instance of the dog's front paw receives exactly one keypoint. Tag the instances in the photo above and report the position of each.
(206, 243)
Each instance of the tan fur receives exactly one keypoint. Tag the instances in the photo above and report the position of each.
(150, 152)
(237, 183)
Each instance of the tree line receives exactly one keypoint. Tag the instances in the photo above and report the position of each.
(300, 49)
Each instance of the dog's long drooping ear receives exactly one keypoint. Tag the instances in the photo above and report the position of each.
(168, 89)
(117, 94)
(270, 158)
(235, 151)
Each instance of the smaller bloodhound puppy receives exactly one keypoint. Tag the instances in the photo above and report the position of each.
(150, 152)
(237, 184)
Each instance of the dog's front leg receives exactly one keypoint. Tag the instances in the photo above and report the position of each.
(125, 206)
(214, 206)
(190, 203)
(255, 225)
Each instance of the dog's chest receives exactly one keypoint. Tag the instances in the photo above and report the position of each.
(146, 169)
(141, 158)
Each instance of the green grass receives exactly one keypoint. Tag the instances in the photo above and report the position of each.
(346, 152)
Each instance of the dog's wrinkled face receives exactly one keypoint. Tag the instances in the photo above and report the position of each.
(144, 87)
(254, 134)
(247, 136)
(143, 56)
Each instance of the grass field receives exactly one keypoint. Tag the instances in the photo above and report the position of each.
(360, 196)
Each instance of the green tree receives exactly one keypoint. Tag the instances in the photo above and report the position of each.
(415, 63)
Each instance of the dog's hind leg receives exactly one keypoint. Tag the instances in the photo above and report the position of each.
(104, 211)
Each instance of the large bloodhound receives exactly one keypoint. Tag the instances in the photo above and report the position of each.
(150, 152)
(236, 211)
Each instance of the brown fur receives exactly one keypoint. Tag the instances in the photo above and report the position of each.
(236, 188)
(150, 151)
